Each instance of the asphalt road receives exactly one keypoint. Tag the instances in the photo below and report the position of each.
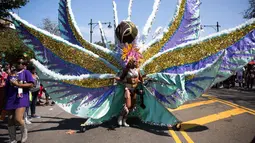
(220, 116)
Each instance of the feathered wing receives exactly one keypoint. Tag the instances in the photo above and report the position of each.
(155, 113)
(70, 32)
(235, 48)
(60, 55)
(114, 107)
(172, 90)
(79, 95)
(237, 42)
(183, 28)
(236, 57)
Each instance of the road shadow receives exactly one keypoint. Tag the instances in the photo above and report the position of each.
(158, 130)
(63, 124)
(48, 117)
(111, 125)
(138, 124)
(193, 127)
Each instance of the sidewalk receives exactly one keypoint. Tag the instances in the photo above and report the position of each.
(51, 117)
(242, 97)
(237, 88)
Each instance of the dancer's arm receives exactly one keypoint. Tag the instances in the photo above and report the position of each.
(141, 77)
(123, 75)
(22, 85)
(141, 91)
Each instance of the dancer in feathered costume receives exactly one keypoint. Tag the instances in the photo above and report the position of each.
(80, 75)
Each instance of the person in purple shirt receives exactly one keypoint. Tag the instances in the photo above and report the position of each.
(17, 99)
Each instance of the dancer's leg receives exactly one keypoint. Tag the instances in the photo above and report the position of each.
(11, 126)
(125, 109)
(133, 101)
(19, 119)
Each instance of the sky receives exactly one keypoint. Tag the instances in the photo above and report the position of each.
(229, 14)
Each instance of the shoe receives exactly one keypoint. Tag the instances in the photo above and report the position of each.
(23, 130)
(40, 101)
(27, 122)
(35, 116)
(29, 117)
(125, 123)
(120, 120)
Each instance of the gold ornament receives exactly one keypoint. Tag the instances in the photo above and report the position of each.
(155, 48)
(90, 83)
(90, 47)
(196, 52)
(71, 54)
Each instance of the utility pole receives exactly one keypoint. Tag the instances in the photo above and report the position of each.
(95, 24)
(215, 27)
(91, 31)
(218, 26)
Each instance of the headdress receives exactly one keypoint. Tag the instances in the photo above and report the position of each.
(126, 32)
(131, 52)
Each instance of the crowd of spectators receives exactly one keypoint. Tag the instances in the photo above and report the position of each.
(20, 93)
(244, 79)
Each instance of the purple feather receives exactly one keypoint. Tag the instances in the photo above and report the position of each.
(46, 57)
(184, 30)
(64, 25)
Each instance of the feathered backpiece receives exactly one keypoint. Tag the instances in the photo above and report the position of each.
(79, 75)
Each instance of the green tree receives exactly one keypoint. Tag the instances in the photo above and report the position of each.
(100, 43)
(6, 5)
(12, 46)
(50, 26)
(250, 12)
(112, 46)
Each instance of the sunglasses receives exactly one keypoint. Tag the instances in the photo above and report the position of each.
(21, 63)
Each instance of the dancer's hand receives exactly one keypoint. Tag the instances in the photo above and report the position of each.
(140, 92)
(142, 105)
(15, 83)
(117, 78)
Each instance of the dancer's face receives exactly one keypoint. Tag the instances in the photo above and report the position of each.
(33, 71)
(136, 64)
(133, 64)
(21, 64)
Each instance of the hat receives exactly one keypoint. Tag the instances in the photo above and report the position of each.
(126, 32)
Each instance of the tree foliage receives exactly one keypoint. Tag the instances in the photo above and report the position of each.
(112, 46)
(50, 26)
(6, 5)
(12, 46)
(250, 12)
